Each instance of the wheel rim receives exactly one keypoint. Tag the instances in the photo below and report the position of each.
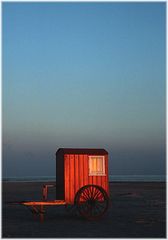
(91, 201)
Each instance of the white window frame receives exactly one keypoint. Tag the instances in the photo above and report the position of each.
(91, 173)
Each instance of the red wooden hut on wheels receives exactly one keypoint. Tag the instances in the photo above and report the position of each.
(76, 168)
(81, 180)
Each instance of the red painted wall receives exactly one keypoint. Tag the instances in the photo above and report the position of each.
(72, 173)
(77, 175)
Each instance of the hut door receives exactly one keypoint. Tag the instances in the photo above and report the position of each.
(97, 166)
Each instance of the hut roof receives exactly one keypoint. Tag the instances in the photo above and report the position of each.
(92, 151)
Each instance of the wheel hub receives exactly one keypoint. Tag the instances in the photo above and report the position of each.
(91, 202)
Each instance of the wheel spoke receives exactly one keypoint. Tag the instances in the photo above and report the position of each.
(85, 193)
(82, 197)
(100, 206)
(98, 195)
(88, 193)
(84, 207)
(99, 210)
(96, 191)
(92, 191)
(91, 211)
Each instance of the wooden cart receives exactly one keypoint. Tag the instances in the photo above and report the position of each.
(81, 181)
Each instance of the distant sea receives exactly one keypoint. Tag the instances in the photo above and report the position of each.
(112, 178)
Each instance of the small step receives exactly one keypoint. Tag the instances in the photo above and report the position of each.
(46, 203)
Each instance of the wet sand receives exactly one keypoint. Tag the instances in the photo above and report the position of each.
(137, 210)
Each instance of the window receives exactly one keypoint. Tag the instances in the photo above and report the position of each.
(96, 166)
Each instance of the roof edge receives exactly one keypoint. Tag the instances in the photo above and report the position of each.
(96, 151)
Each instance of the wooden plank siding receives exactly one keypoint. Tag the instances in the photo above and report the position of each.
(67, 179)
(85, 170)
(107, 175)
(72, 178)
(77, 176)
(76, 173)
(81, 171)
(60, 189)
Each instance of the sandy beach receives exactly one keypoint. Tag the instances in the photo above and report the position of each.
(137, 210)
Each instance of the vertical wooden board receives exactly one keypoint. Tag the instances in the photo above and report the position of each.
(60, 176)
(72, 176)
(90, 178)
(107, 174)
(105, 178)
(95, 180)
(103, 183)
(95, 177)
(66, 169)
(85, 170)
(99, 180)
(77, 176)
(80, 170)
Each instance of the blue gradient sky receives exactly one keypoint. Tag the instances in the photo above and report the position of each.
(83, 75)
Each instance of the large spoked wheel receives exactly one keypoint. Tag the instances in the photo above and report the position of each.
(92, 201)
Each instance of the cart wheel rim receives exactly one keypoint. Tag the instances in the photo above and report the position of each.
(92, 201)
